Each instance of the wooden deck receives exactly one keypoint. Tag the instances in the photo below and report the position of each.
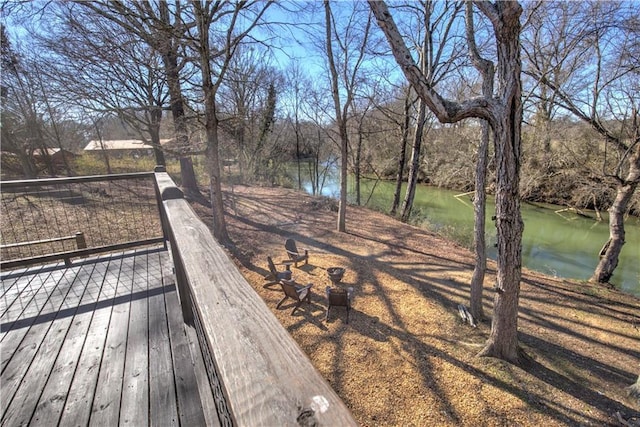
(101, 342)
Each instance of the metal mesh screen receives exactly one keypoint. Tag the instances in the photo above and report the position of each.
(224, 415)
(43, 217)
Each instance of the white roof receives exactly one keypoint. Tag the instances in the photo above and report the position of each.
(120, 144)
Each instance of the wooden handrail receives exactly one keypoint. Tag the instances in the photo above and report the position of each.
(265, 377)
(26, 183)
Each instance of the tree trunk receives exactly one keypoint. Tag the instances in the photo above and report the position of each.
(297, 129)
(167, 47)
(487, 70)
(342, 207)
(357, 166)
(402, 157)
(503, 340)
(211, 130)
(414, 166)
(154, 132)
(634, 391)
(103, 150)
(215, 187)
(479, 214)
(504, 112)
(187, 173)
(341, 120)
(609, 259)
(28, 167)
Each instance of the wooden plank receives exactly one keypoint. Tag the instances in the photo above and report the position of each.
(12, 337)
(162, 388)
(206, 396)
(134, 407)
(267, 378)
(20, 344)
(204, 387)
(32, 299)
(105, 410)
(190, 406)
(21, 286)
(9, 278)
(48, 340)
(69, 364)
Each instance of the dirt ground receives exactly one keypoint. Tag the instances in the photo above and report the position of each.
(405, 358)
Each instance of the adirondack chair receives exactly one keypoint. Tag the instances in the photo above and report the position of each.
(274, 276)
(296, 292)
(338, 297)
(293, 253)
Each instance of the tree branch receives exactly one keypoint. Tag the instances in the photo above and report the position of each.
(446, 111)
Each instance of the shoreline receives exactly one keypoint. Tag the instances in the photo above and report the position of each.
(405, 358)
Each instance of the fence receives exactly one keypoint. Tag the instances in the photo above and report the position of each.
(49, 219)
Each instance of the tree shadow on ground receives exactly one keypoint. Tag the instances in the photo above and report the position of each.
(391, 253)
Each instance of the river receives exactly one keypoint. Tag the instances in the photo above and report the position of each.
(561, 244)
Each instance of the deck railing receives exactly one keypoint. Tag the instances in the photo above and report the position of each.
(258, 374)
(49, 219)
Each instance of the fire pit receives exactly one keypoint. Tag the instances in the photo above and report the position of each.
(335, 274)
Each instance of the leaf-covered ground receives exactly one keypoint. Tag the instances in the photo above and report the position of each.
(405, 358)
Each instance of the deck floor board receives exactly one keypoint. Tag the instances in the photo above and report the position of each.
(98, 343)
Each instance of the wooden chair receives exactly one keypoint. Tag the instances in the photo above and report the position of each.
(293, 253)
(338, 297)
(296, 292)
(274, 276)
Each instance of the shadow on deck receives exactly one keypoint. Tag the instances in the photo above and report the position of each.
(117, 339)
(102, 342)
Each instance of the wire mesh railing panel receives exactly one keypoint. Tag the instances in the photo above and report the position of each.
(44, 217)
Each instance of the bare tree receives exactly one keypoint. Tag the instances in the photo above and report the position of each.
(346, 73)
(105, 71)
(243, 99)
(25, 132)
(503, 111)
(161, 26)
(219, 31)
(436, 21)
(487, 70)
(569, 54)
(402, 155)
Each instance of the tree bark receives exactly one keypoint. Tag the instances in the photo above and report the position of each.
(414, 165)
(154, 133)
(341, 122)
(625, 189)
(357, 166)
(26, 161)
(487, 70)
(211, 126)
(402, 157)
(479, 214)
(188, 173)
(503, 340)
(634, 391)
(167, 47)
(504, 113)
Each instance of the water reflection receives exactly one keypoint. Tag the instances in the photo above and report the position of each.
(561, 244)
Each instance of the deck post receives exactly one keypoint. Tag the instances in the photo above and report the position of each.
(81, 242)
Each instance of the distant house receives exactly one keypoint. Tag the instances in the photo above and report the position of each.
(57, 156)
(13, 166)
(122, 147)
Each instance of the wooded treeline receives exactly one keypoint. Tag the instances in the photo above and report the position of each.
(538, 101)
(85, 81)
